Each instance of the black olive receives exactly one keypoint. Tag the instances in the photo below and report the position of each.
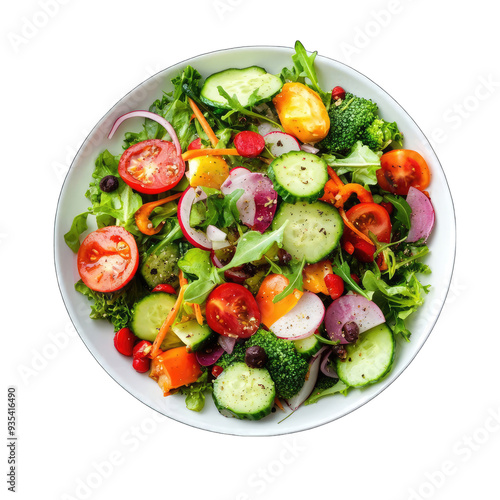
(255, 357)
(109, 183)
(350, 331)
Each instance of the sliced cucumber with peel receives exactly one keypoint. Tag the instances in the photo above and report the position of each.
(307, 347)
(313, 229)
(243, 83)
(192, 334)
(244, 392)
(369, 359)
(298, 176)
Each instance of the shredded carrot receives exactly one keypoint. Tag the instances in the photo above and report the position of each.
(142, 215)
(278, 403)
(348, 223)
(196, 307)
(194, 153)
(169, 320)
(204, 124)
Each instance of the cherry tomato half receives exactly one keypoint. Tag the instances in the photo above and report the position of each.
(367, 217)
(151, 166)
(232, 311)
(108, 259)
(401, 169)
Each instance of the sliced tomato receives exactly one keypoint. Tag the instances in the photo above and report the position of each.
(232, 311)
(402, 169)
(108, 259)
(367, 218)
(151, 167)
(273, 285)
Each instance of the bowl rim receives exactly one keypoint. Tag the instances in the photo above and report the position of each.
(383, 386)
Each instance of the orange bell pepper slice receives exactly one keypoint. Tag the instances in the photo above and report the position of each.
(175, 368)
(142, 215)
(273, 285)
(314, 276)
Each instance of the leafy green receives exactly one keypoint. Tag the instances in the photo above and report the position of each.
(316, 395)
(196, 264)
(294, 279)
(78, 226)
(304, 67)
(253, 245)
(341, 268)
(362, 163)
(195, 392)
(237, 107)
(114, 306)
(402, 209)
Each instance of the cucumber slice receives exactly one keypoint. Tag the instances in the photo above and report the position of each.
(246, 82)
(193, 335)
(307, 347)
(298, 176)
(244, 392)
(369, 359)
(162, 267)
(149, 314)
(313, 229)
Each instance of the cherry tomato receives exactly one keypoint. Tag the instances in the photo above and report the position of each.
(401, 169)
(302, 112)
(141, 349)
(367, 217)
(124, 341)
(163, 287)
(338, 93)
(141, 365)
(217, 370)
(108, 259)
(232, 311)
(196, 144)
(151, 166)
(249, 144)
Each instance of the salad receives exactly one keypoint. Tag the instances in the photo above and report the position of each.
(260, 239)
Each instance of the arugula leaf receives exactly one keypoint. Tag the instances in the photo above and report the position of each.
(304, 65)
(236, 106)
(361, 162)
(401, 207)
(294, 279)
(326, 341)
(253, 245)
(79, 225)
(341, 268)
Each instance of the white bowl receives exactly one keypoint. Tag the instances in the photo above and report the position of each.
(98, 335)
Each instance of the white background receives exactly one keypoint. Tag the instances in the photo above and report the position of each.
(434, 433)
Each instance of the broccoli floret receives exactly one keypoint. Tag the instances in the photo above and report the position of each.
(348, 122)
(238, 354)
(287, 367)
(380, 134)
(324, 382)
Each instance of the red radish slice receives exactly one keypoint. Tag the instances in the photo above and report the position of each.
(152, 116)
(365, 313)
(280, 143)
(238, 171)
(422, 215)
(311, 378)
(257, 205)
(215, 234)
(303, 320)
(194, 236)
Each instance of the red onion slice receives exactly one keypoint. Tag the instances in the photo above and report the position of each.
(207, 358)
(365, 313)
(422, 215)
(227, 343)
(309, 148)
(325, 369)
(195, 236)
(152, 116)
